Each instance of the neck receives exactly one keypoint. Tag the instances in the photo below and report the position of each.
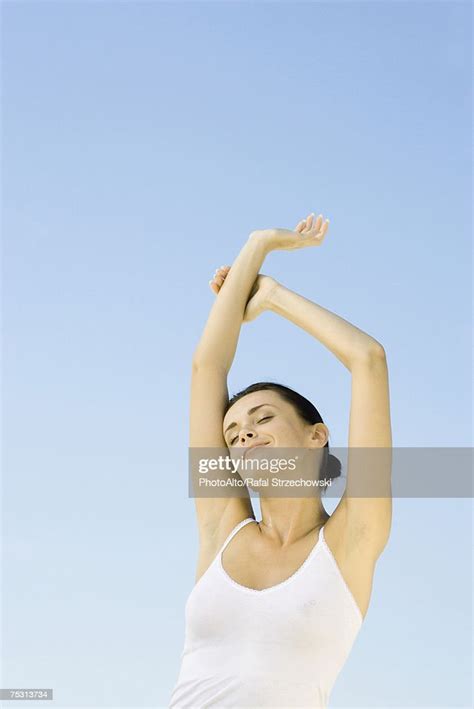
(286, 520)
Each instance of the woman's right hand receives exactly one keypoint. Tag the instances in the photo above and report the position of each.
(306, 233)
(259, 295)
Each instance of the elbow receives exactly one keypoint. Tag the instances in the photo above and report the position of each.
(372, 352)
(199, 362)
(208, 363)
(377, 350)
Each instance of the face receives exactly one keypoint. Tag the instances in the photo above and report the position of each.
(275, 423)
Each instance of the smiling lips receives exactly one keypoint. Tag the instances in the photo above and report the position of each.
(256, 445)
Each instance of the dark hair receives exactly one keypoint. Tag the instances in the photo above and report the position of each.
(307, 412)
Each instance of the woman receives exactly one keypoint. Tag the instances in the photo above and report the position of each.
(278, 603)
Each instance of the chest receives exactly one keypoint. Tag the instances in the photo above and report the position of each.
(254, 565)
(259, 567)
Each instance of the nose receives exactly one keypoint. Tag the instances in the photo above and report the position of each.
(246, 435)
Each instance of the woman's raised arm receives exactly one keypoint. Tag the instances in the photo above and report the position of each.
(212, 360)
(218, 342)
(219, 339)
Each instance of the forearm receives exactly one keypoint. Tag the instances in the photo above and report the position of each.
(219, 339)
(347, 342)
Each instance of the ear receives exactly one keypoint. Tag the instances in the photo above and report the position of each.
(319, 435)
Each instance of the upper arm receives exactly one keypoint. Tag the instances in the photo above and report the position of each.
(369, 454)
(209, 399)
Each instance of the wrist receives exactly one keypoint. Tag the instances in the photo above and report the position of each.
(273, 296)
(260, 241)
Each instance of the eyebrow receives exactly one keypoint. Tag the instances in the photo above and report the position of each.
(250, 411)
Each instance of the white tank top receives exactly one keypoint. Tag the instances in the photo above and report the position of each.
(279, 647)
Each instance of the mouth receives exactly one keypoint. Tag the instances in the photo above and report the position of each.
(258, 445)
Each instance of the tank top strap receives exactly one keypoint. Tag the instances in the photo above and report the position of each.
(235, 530)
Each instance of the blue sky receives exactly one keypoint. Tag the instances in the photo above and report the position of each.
(142, 142)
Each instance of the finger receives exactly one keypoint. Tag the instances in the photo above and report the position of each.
(218, 283)
(309, 220)
(301, 226)
(322, 232)
(218, 275)
(318, 222)
(317, 226)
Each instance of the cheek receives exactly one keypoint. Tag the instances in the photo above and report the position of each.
(289, 434)
(284, 432)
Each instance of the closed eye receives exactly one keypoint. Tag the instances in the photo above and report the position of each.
(265, 418)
